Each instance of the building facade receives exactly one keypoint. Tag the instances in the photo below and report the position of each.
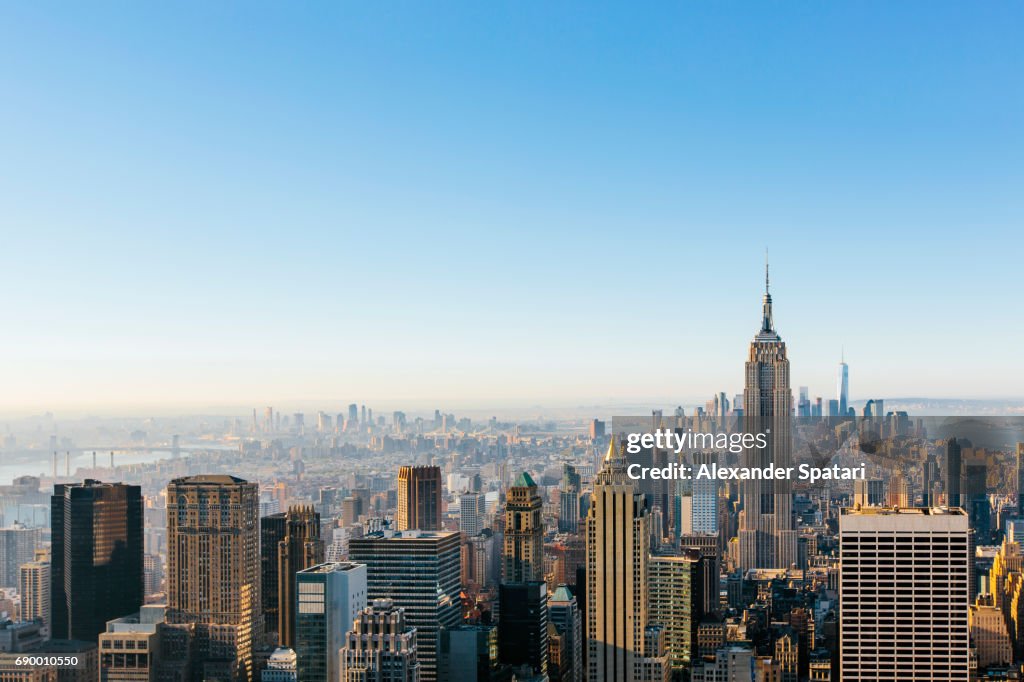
(618, 535)
(329, 596)
(522, 556)
(213, 571)
(766, 535)
(380, 647)
(419, 498)
(96, 569)
(894, 623)
(419, 572)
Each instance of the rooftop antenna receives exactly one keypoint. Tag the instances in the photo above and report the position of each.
(766, 270)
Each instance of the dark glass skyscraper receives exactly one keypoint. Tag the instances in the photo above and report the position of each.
(289, 542)
(272, 531)
(954, 473)
(96, 573)
(523, 626)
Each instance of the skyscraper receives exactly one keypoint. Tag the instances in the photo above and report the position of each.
(18, 545)
(380, 646)
(904, 594)
(618, 534)
(675, 586)
(869, 492)
(273, 528)
(1020, 479)
(34, 588)
(704, 506)
(472, 513)
(565, 664)
(954, 473)
(328, 598)
(300, 548)
(766, 535)
(469, 653)
(213, 570)
(568, 500)
(96, 569)
(843, 387)
(522, 554)
(418, 571)
(419, 498)
(523, 626)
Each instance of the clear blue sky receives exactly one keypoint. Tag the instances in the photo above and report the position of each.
(207, 203)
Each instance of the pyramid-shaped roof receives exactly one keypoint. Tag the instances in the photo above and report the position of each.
(524, 480)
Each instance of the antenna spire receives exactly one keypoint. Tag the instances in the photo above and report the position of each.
(767, 324)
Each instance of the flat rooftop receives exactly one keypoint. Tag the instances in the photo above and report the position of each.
(909, 511)
(331, 567)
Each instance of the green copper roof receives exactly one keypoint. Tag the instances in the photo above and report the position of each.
(562, 594)
(524, 480)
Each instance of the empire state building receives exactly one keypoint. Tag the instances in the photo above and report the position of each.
(766, 535)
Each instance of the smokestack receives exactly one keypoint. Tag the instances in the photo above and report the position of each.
(67, 463)
(55, 464)
(111, 459)
(94, 460)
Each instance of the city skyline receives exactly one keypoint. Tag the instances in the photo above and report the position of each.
(461, 342)
(456, 206)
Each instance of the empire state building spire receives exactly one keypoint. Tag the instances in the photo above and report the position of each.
(767, 332)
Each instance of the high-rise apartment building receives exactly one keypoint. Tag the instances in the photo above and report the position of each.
(329, 597)
(213, 570)
(766, 535)
(904, 594)
(522, 556)
(34, 587)
(618, 535)
(472, 513)
(96, 567)
(675, 586)
(419, 572)
(380, 646)
(419, 498)
(18, 544)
